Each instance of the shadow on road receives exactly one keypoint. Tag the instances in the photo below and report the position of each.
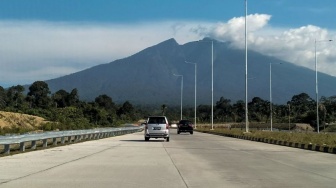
(158, 140)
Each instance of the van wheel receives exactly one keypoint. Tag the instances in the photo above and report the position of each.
(146, 138)
(178, 132)
(191, 132)
(167, 139)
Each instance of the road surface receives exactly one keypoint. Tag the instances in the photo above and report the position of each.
(194, 161)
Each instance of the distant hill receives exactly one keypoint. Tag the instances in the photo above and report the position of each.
(147, 76)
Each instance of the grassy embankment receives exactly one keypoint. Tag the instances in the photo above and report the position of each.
(301, 137)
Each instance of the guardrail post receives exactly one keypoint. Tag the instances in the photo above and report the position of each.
(55, 141)
(62, 140)
(22, 146)
(45, 143)
(33, 144)
(7, 149)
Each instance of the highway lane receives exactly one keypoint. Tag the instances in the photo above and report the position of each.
(199, 160)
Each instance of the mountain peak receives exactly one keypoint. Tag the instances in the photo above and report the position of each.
(169, 42)
(147, 77)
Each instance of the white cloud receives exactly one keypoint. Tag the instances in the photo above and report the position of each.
(294, 45)
(31, 51)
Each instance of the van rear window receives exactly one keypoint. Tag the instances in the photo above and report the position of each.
(157, 120)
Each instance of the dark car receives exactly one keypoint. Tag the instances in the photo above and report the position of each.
(185, 126)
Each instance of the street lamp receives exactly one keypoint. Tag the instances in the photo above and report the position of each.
(181, 91)
(211, 83)
(195, 89)
(271, 105)
(288, 116)
(316, 84)
(246, 105)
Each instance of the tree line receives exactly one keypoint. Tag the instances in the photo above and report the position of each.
(66, 111)
(300, 109)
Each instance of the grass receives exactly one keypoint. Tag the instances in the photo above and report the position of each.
(322, 139)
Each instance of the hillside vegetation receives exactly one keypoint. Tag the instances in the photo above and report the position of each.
(64, 110)
(12, 120)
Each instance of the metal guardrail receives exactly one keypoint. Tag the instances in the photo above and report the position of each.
(64, 136)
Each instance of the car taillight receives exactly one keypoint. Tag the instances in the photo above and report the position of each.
(167, 126)
(190, 125)
(146, 126)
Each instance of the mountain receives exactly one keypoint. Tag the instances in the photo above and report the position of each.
(147, 76)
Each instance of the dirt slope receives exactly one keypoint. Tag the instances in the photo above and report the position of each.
(10, 119)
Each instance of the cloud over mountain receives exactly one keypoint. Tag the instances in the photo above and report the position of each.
(39, 50)
(294, 45)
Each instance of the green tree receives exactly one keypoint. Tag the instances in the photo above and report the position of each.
(15, 97)
(163, 109)
(259, 109)
(73, 97)
(329, 108)
(302, 106)
(223, 109)
(39, 92)
(238, 111)
(105, 102)
(2, 97)
(204, 113)
(60, 98)
(125, 112)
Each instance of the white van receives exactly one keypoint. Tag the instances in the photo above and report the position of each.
(157, 127)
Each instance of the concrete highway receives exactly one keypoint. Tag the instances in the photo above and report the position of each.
(199, 160)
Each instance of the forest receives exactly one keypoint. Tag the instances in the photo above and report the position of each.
(65, 111)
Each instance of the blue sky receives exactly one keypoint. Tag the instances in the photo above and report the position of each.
(45, 39)
(286, 13)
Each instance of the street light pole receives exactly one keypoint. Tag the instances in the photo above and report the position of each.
(288, 116)
(181, 91)
(271, 105)
(316, 86)
(195, 90)
(246, 105)
(212, 85)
